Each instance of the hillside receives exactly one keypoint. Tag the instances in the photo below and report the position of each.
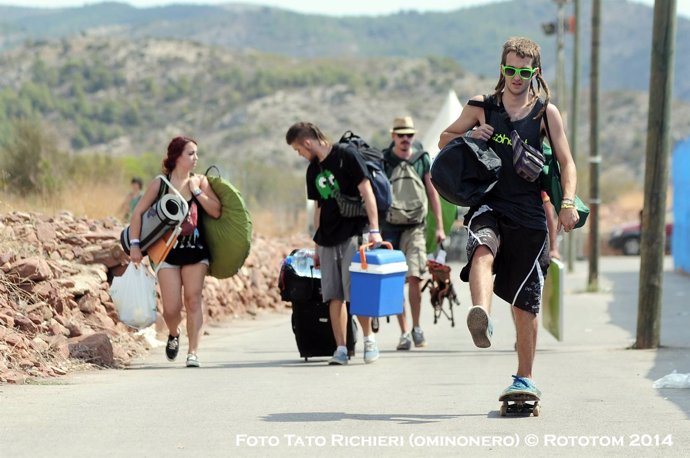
(128, 97)
(471, 36)
(125, 97)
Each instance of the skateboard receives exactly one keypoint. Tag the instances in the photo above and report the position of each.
(519, 403)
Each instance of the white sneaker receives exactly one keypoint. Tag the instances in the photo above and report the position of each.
(405, 342)
(338, 359)
(192, 360)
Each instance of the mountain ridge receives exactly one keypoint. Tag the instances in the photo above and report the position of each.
(465, 35)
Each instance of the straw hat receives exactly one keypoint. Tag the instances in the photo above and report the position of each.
(403, 125)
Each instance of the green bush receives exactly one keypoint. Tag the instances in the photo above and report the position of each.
(32, 163)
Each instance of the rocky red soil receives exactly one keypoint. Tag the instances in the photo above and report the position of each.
(56, 313)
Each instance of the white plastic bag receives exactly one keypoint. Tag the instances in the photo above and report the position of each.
(134, 295)
(673, 380)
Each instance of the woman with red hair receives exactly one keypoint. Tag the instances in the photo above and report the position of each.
(181, 274)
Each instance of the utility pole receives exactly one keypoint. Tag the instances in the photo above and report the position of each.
(559, 28)
(573, 118)
(594, 158)
(560, 54)
(656, 175)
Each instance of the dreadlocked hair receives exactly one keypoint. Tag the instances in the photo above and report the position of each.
(524, 47)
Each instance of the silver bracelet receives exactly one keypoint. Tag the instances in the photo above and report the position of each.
(468, 134)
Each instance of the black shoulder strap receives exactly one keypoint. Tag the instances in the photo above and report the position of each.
(546, 124)
(489, 107)
(484, 104)
(548, 131)
(162, 190)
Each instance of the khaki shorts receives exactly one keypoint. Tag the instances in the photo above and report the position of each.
(412, 242)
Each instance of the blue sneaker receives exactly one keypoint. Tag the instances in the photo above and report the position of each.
(521, 385)
(371, 352)
(480, 325)
(338, 359)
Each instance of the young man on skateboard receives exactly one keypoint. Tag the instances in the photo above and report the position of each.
(507, 231)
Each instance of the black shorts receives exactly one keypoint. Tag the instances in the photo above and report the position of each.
(521, 257)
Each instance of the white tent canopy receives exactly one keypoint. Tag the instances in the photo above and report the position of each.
(449, 112)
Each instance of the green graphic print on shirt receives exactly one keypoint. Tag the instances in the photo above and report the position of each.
(326, 184)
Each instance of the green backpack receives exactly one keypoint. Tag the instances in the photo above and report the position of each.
(409, 205)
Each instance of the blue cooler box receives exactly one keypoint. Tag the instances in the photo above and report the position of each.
(377, 288)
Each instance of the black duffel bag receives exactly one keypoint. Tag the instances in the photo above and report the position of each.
(465, 170)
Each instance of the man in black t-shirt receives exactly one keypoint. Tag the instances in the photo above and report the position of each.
(333, 170)
(508, 231)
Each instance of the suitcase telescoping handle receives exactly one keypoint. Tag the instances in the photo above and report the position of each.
(363, 259)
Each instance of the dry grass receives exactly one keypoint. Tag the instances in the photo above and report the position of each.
(90, 200)
(101, 200)
(631, 201)
(279, 223)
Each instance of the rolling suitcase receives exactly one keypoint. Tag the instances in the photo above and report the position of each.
(300, 283)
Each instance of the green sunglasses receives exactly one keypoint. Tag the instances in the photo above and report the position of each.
(524, 72)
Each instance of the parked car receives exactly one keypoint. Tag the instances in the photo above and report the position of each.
(626, 238)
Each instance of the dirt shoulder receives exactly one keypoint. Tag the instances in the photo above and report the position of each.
(56, 313)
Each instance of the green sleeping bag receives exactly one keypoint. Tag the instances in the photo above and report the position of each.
(449, 214)
(229, 237)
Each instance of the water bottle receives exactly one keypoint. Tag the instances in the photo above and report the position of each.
(303, 262)
(441, 256)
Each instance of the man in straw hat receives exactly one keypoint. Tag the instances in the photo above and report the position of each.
(408, 167)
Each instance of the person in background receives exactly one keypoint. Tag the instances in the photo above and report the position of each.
(337, 238)
(552, 226)
(133, 197)
(181, 274)
(407, 232)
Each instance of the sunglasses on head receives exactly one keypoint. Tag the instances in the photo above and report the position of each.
(524, 72)
(405, 135)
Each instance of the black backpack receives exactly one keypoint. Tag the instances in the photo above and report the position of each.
(373, 158)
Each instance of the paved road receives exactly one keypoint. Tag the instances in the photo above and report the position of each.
(255, 397)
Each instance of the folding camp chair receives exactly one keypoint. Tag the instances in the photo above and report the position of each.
(441, 290)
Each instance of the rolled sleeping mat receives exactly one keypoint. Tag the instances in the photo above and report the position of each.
(166, 213)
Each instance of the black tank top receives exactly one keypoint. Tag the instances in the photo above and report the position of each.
(191, 244)
(514, 197)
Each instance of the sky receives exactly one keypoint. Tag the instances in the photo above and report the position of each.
(331, 7)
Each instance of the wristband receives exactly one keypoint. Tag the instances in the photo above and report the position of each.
(468, 134)
(567, 206)
(197, 192)
(374, 231)
(134, 242)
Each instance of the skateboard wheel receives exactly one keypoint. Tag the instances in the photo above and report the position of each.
(504, 410)
(536, 410)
